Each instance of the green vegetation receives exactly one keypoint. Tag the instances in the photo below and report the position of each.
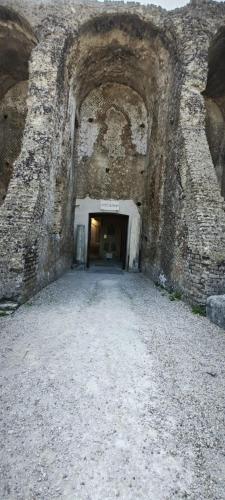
(3, 313)
(175, 296)
(198, 309)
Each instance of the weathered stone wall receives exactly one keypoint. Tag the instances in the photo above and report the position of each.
(202, 212)
(162, 205)
(112, 144)
(82, 53)
(31, 251)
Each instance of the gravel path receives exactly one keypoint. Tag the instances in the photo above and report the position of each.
(110, 390)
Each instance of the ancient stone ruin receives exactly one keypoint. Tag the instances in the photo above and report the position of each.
(112, 110)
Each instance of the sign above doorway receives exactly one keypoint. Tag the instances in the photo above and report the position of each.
(109, 205)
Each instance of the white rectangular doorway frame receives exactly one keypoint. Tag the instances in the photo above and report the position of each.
(86, 206)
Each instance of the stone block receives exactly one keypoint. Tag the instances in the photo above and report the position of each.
(215, 309)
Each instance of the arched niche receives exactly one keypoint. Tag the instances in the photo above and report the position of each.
(16, 43)
(214, 95)
(124, 50)
(112, 143)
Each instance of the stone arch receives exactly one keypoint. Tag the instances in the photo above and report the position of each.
(123, 49)
(16, 43)
(214, 95)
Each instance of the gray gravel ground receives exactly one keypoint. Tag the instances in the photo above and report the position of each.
(110, 390)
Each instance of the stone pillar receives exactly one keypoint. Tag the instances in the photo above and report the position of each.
(134, 243)
(24, 264)
(80, 245)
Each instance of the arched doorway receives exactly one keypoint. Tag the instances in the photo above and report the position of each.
(107, 240)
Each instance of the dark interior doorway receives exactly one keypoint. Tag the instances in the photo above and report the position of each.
(107, 240)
